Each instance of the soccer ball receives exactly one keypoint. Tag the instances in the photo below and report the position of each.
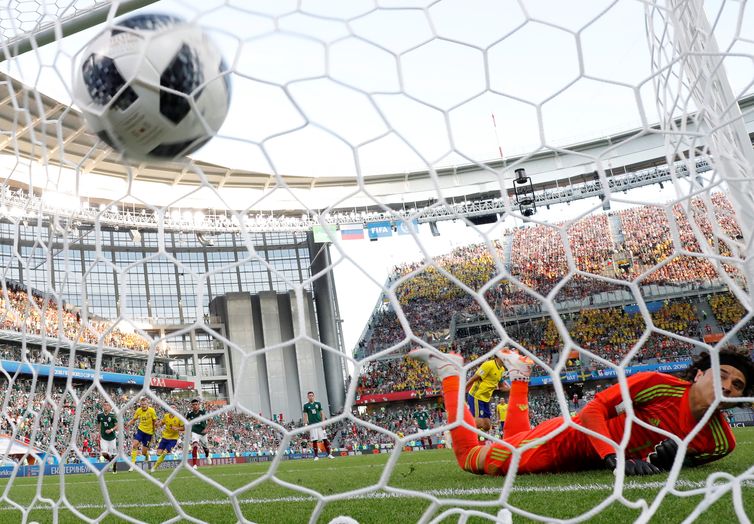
(343, 519)
(152, 87)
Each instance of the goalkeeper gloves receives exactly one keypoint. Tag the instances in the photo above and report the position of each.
(633, 466)
(664, 455)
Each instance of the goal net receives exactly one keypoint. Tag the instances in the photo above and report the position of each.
(573, 182)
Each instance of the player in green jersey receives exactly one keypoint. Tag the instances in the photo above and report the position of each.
(108, 424)
(313, 414)
(199, 432)
(423, 421)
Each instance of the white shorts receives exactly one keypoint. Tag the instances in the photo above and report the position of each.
(201, 439)
(108, 447)
(317, 434)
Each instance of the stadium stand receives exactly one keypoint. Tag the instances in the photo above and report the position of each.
(621, 245)
(538, 262)
(40, 315)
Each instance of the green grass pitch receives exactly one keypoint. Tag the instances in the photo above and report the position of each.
(433, 482)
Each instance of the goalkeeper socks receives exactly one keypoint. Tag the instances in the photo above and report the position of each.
(517, 419)
(464, 439)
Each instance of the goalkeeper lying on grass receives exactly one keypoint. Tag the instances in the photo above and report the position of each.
(659, 400)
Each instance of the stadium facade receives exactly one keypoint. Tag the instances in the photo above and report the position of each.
(165, 290)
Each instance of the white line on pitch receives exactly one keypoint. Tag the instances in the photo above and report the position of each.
(118, 479)
(440, 493)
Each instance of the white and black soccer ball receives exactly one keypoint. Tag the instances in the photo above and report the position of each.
(153, 87)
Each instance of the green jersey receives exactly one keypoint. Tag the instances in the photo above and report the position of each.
(313, 412)
(200, 427)
(107, 421)
(422, 419)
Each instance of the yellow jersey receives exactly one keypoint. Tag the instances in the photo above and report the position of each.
(489, 375)
(502, 411)
(168, 421)
(147, 418)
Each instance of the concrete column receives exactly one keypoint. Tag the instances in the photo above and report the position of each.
(324, 298)
(311, 371)
(277, 381)
(282, 373)
(264, 388)
(292, 393)
(249, 370)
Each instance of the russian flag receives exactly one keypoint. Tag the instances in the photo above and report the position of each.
(352, 231)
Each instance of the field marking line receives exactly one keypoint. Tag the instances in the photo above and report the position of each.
(110, 479)
(440, 493)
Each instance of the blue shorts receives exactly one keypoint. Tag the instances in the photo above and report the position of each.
(167, 444)
(478, 408)
(143, 438)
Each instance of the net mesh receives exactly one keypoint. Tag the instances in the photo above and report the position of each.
(111, 270)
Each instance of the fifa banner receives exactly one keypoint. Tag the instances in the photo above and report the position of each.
(380, 229)
(321, 235)
(384, 228)
(601, 374)
(90, 374)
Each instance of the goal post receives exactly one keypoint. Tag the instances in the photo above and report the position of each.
(260, 297)
(693, 45)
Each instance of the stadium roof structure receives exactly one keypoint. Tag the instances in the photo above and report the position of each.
(39, 120)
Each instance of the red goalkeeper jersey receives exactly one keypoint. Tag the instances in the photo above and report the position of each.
(659, 400)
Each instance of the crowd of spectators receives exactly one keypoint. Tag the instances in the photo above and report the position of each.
(60, 419)
(397, 374)
(61, 357)
(539, 258)
(726, 309)
(472, 265)
(609, 333)
(47, 419)
(647, 232)
(729, 312)
(47, 416)
(36, 314)
(395, 417)
(648, 241)
(651, 243)
(611, 329)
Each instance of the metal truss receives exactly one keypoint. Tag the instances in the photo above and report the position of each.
(19, 207)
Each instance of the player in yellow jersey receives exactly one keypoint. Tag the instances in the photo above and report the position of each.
(147, 417)
(171, 429)
(479, 391)
(502, 412)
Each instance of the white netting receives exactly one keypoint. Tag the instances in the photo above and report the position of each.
(243, 276)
